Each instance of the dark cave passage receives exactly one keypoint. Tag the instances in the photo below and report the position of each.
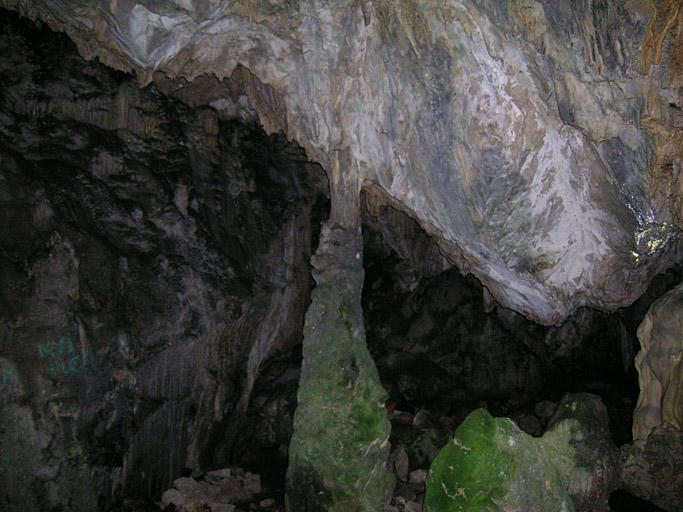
(441, 343)
(443, 348)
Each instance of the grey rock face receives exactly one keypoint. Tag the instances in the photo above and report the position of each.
(536, 140)
(653, 467)
(154, 258)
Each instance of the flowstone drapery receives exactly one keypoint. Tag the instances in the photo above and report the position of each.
(537, 141)
(660, 366)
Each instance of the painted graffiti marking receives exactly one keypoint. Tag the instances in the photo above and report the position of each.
(61, 356)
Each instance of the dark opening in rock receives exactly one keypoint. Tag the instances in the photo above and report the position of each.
(443, 347)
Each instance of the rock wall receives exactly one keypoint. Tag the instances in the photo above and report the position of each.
(538, 141)
(155, 257)
(660, 366)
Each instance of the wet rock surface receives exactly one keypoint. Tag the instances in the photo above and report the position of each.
(537, 141)
(660, 365)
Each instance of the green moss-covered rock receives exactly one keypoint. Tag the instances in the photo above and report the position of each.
(340, 444)
(492, 465)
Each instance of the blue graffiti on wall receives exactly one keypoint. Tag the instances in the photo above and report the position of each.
(62, 357)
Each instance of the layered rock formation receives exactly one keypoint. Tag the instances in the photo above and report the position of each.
(538, 141)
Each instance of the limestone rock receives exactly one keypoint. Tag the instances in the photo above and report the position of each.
(580, 422)
(519, 133)
(653, 468)
(490, 464)
(660, 365)
(172, 246)
(340, 445)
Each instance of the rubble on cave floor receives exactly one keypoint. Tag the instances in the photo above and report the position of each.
(221, 490)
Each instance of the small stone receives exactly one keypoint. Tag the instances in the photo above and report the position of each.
(398, 463)
(187, 487)
(418, 476)
(267, 503)
(412, 506)
(252, 483)
(172, 497)
(219, 474)
(423, 420)
(402, 418)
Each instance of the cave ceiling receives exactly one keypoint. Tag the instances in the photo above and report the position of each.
(538, 142)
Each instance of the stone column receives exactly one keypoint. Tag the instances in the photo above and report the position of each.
(340, 443)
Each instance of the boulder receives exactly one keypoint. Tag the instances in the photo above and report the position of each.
(580, 427)
(653, 468)
(492, 465)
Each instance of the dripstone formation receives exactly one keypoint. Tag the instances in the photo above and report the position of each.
(209, 204)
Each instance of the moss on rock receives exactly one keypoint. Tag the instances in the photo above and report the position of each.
(340, 443)
(491, 465)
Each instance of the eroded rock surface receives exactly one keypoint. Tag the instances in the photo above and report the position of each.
(538, 141)
(660, 366)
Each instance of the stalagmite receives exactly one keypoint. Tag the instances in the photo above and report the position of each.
(340, 445)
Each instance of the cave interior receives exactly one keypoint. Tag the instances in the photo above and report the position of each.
(156, 282)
